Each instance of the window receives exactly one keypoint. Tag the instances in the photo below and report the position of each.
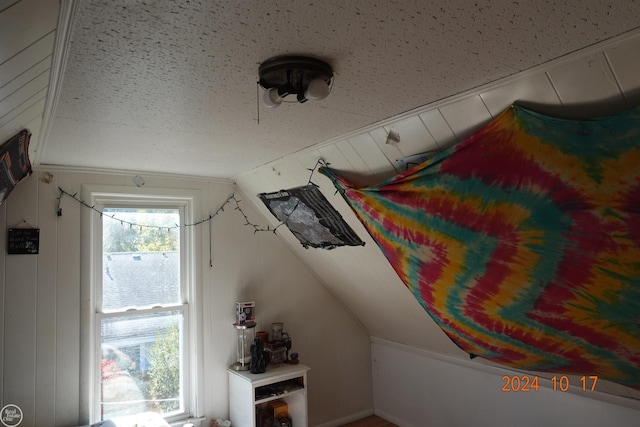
(141, 306)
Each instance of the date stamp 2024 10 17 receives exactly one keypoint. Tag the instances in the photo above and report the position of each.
(526, 383)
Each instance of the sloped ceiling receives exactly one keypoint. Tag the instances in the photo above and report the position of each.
(168, 86)
(591, 82)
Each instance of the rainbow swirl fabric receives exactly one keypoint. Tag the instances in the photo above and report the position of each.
(523, 241)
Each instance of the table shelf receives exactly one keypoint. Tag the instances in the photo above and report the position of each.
(250, 392)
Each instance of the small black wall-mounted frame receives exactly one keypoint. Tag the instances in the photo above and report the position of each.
(23, 240)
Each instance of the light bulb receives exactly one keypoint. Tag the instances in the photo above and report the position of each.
(317, 89)
(272, 98)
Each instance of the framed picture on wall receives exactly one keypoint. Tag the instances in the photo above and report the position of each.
(310, 217)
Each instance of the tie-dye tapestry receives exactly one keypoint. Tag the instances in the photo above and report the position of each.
(523, 241)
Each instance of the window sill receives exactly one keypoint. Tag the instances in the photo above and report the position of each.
(188, 422)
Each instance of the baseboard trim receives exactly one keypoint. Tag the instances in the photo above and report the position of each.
(394, 420)
(348, 419)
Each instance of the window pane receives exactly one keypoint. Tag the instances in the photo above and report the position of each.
(141, 364)
(141, 260)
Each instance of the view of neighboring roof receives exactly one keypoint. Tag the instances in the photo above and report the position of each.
(140, 279)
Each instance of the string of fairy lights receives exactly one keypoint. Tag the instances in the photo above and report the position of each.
(231, 200)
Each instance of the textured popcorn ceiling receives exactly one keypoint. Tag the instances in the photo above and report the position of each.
(170, 86)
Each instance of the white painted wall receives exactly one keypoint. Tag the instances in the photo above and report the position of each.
(40, 302)
(417, 388)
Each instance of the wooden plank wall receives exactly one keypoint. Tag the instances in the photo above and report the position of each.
(28, 32)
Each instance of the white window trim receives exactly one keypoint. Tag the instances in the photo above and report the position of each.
(94, 195)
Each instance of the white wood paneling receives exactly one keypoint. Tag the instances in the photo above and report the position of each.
(34, 124)
(332, 155)
(12, 124)
(67, 306)
(26, 95)
(625, 61)
(374, 155)
(26, 59)
(24, 23)
(414, 136)
(438, 128)
(353, 157)
(465, 115)
(390, 151)
(587, 82)
(23, 112)
(298, 166)
(20, 307)
(586, 79)
(28, 33)
(25, 78)
(46, 307)
(531, 89)
(5, 4)
(220, 276)
(345, 157)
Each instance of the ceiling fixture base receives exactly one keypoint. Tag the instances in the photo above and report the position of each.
(305, 77)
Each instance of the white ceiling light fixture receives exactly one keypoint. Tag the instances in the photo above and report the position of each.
(305, 77)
